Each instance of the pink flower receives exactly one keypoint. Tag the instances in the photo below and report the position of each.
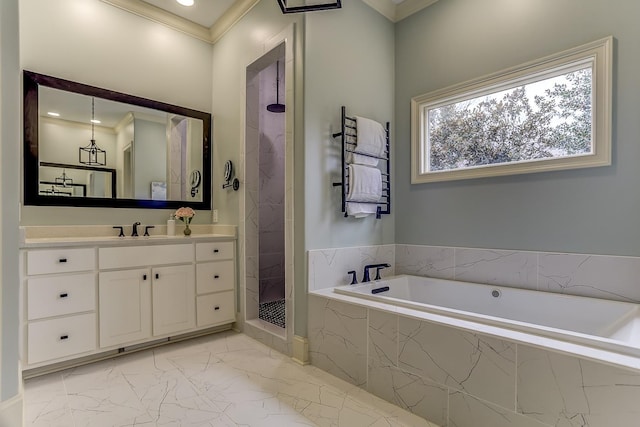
(185, 214)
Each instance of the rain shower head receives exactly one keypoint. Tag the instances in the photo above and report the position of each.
(277, 107)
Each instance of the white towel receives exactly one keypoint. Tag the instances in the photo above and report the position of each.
(361, 210)
(365, 185)
(372, 138)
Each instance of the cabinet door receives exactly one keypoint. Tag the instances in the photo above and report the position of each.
(174, 299)
(125, 306)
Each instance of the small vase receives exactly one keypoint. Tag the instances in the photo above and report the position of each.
(187, 230)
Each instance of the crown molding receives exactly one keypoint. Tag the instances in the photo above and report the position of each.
(153, 13)
(238, 9)
(397, 12)
(161, 16)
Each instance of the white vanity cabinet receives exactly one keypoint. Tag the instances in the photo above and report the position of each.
(215, 282)
(174, 294)
(60, 306)
(154, 301)
(85, 301)
(125, 306)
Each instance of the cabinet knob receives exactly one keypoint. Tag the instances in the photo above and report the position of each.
(157, 276)
(144, 277)
(216, 276)
(64, 337)
(64, 295)
(215, 251)
(62, 260)
(217, 307)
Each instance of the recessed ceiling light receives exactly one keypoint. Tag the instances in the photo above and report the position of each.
(53, 114)
(185, 2)
(95, 121)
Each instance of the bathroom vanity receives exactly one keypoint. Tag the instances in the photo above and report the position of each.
(85, 298)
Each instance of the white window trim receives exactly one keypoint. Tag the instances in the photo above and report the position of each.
(599, 53)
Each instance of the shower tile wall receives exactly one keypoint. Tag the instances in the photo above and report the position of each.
(271, 247)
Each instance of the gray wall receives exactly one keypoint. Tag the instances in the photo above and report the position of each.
(150, 147)
(9, 188)
(349, 57)
(590, 210)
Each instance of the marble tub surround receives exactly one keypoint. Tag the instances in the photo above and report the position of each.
(328, 267)
(457, 377)
(222, 380)
(42, 235)
(600, 276)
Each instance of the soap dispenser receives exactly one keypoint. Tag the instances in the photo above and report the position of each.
(171, 226)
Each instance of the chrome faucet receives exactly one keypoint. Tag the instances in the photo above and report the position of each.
(135, 229)
(378, 267)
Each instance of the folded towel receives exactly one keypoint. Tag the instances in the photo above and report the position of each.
(361, 210)
(372, 138)
(365, 185)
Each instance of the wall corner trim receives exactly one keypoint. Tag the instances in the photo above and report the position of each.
(300, 350)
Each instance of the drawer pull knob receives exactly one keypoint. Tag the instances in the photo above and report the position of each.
(62, 260)
(64, 337)
(157, 276)
(64, 295)
(215, 251)
(144, 277)
(216, 276)
(216, 307)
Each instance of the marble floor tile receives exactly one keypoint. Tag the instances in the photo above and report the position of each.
(225, 379)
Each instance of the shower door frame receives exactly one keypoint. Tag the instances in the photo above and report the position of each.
(275, 337)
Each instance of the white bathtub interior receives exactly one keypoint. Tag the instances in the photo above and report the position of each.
(610, 325)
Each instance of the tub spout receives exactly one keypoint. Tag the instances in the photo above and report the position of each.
(366, 276)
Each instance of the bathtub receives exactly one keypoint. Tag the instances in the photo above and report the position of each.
(597, 323)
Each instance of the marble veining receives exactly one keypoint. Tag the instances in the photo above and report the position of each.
(508, 268)
(430, 261)
(226, 379)
(329, 267)
(591, 275)
(458, 359)
(338, 339)
(568, 391)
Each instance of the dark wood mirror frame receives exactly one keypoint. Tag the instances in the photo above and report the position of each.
(31, 83)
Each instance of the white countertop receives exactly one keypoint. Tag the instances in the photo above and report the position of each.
(45, 236)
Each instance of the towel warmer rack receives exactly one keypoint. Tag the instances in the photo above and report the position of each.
(349, 138)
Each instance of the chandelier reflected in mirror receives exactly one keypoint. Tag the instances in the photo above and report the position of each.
(92, 155)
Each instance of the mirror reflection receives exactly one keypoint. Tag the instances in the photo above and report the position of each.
(87, 146)
(154, 153)
(58, 179)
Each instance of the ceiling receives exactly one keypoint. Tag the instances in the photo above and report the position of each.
(209, 20)
(203, 12)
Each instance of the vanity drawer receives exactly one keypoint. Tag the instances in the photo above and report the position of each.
(142, 256)
(58, 338)
(215, 308)
(213, 251)
(59, 295)
(215, 276)
(60, 261)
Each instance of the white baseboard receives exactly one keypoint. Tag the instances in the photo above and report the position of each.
(11, 412)
(300, 350)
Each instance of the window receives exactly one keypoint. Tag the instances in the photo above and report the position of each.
(553, 113)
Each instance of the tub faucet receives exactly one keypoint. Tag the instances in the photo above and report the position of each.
(134, 233)
(378, 267)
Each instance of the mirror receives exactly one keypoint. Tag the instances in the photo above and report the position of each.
(87, 146)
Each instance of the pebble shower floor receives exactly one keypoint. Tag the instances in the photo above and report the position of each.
(273, 312)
